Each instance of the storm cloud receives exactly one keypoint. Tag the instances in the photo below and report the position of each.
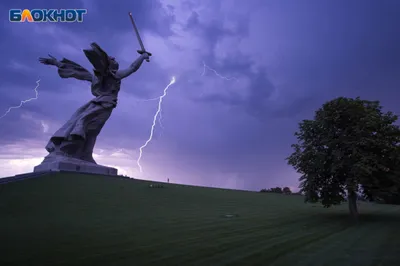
(283, 59)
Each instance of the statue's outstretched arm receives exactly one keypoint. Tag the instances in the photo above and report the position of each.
(132, 68)
(81, 75)
(68, 68)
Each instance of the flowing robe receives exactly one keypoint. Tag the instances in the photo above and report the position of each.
(77, 137)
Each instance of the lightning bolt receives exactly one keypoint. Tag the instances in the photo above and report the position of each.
(156, 115)
(160, 118)
(160, 122)
(205, 67)
(23, 101)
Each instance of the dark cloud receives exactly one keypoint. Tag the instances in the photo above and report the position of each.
(19, 128)
(289, 58)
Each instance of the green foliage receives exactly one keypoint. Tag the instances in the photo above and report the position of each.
(276, 190)
(350, 146)
(272, 190)
(286, 190)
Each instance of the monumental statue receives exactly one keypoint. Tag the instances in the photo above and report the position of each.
(71, 147)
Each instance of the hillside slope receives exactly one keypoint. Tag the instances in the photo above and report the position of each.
(64, 219)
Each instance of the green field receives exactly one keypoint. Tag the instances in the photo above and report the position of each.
(63, 219)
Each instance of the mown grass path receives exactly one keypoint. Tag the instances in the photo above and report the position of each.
(62, 219)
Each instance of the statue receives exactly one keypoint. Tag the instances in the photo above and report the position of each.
(75, 140)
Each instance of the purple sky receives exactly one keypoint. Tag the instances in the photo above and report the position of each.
(287, 58)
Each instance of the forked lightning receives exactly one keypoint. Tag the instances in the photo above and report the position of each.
(156, 115)
(24, 101)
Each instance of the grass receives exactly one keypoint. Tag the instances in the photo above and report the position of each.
(64, 219)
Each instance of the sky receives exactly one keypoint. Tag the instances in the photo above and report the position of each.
(247, 72)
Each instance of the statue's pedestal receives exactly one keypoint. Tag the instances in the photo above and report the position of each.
(62, 163)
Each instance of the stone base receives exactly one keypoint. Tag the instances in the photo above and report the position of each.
(62, 163)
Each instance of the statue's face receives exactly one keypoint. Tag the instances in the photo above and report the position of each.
(113, 63)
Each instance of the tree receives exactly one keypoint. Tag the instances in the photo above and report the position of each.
(351, 146)
(286, 190)
(272, 190)
(276, 190)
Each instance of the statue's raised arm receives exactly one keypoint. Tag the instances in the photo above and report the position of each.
(67, 68)
(123, 73)
(144, 55)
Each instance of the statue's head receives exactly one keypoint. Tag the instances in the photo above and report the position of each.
(113, 63)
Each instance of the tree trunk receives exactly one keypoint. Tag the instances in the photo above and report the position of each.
(352, 199)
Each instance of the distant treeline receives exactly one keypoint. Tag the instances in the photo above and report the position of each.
(279, 190)
(383, 199)
(393, 198)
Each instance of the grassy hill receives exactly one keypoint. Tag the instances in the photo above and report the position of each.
(64, 219)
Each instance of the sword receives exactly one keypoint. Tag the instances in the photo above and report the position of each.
(138, 37)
